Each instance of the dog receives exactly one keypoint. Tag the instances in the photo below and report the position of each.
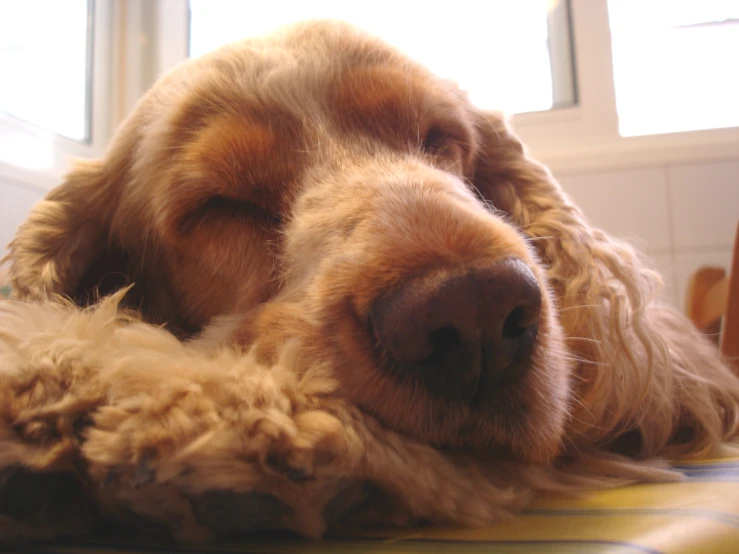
(317, 186)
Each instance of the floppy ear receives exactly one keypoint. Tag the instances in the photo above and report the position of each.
(647, 383)
(63, 246)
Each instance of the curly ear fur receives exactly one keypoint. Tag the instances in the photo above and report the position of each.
(647, 383)
(63, 246)
(58, 239)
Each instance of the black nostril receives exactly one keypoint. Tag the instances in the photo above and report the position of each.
(513, 326)
(445, 343)
(506, 357)
(521, 319)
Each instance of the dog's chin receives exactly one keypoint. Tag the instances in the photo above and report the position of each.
(504, 425)
(521, 421)
(510, 425)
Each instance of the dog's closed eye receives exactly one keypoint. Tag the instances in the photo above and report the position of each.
(435, 140)
(220, 207)
(448, 142)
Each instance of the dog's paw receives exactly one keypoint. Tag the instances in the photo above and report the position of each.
(187, 451)
(315, 445)
(232, 481)
(140, 450)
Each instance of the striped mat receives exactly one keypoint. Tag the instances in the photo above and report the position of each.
(698, 516)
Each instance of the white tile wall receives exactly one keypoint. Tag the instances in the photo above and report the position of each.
(683, 216)
(15, 203)
(705, 203)
(631, 204)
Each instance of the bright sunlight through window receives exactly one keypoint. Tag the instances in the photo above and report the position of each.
(676, 64)
(474, 43)
(44, 64)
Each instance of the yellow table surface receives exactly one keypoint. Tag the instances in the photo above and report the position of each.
(697, 516)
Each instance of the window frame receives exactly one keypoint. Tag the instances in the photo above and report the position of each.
(134, 42)
(60, 149)
(591, 128)
(137, 41)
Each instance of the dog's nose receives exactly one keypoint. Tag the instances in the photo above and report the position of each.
(462, 335)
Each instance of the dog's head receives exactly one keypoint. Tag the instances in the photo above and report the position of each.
(319, 185)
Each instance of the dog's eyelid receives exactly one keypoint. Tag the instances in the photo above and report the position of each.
(445, 137)
(434, 139)
(235, 207)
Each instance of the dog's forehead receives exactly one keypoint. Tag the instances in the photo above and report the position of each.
(314, 71)
(328, 62)
(309, 93)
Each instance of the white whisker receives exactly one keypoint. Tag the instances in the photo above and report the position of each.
(584, 339)
(579, 306)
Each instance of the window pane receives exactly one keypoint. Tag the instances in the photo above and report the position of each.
(514, 56)
(675, 64)
(44, 64)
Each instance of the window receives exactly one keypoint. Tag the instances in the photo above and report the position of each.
(45, 46)
(57, 96)
(675, 65)
(655, 78)
(450, 41)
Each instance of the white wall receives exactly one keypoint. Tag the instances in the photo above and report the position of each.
(683, 215)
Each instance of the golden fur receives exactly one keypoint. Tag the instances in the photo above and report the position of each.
(264, 195)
